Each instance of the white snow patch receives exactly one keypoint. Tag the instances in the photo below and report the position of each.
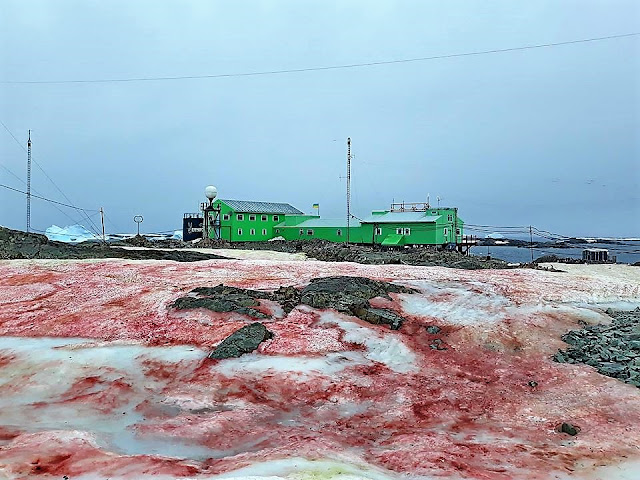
(328, 364)
(386, 348)
(455, 304)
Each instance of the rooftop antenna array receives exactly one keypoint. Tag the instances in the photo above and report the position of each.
(29, 183)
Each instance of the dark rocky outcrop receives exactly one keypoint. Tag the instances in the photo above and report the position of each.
(15, 244)
(367, 254)
(613, 350)
(222, 298)
(349, 295)
(244, 340)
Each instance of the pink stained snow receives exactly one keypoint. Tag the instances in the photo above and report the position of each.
(99, 376)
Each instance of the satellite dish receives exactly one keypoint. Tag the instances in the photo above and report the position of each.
(211, 192)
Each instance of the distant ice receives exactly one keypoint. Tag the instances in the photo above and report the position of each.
(70, 234)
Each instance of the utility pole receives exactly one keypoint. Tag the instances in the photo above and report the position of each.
(531, 242)
(348, 188)
(29, 183)
(102, 218)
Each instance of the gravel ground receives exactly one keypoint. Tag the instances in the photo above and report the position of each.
(613, 350)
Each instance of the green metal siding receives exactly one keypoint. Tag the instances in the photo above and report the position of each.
(288, 226)
(235, 230)
(333, 234)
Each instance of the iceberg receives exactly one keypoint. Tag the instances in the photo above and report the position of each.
(70, 234)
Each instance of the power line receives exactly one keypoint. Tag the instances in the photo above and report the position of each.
(320, 68)
(93, 226)
(46, 199)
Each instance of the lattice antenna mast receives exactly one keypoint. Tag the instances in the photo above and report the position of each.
(348, 188)
(29, 182)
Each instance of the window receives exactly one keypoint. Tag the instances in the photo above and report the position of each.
(407, 231)
(339, 232)
(309, 232)
(252, 231)
(240, 217)
(399, 231)
(434, 212)
(302, 231)
(276, 218)
(378, 231)
(446, 231)
(264, 231)
(263, 218)
(277, 230)
(252, 218)
(225, 217)
(239, 231)
(457, 231)
(450, 218)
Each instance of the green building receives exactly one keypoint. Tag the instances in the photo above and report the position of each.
(245, 221)
(400, 226)
(403, 224)
(307, 227)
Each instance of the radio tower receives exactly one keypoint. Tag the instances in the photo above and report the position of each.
(29, 182)
(348, 187)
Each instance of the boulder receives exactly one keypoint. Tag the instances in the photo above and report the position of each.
(244, 340)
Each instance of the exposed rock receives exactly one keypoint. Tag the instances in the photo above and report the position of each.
(349, 295)
(433, 329)
(16, 244)
(346, 293)
(223, 299)
(614, 350)
(569, 429)
(378, 316)
(367, 254)
(244, 340)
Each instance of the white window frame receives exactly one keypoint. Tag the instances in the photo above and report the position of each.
(252, 231)
(458, 231)
(226, 217)
(339, 232)
(446, 231)
(302, 231)
(407, 231)
(378, 230)
(240, 217)
(240, 232)
(252, 218)
(264, 231)
(264, 218)
(310, 232)
(399, 231)
(449, 218)
(276, 218)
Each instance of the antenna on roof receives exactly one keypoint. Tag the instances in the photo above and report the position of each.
(428, 204)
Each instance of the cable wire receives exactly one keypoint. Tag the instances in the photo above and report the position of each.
(319, 68)
(93, 226)
(47, 199)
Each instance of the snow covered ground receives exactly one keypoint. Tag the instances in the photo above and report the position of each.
(100, 378)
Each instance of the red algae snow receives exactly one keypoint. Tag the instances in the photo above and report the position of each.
(101, 378)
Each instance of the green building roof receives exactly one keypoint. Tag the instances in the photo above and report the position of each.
(244, 206)
(401, 217)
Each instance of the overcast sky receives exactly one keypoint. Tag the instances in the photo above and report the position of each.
(548, 137)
